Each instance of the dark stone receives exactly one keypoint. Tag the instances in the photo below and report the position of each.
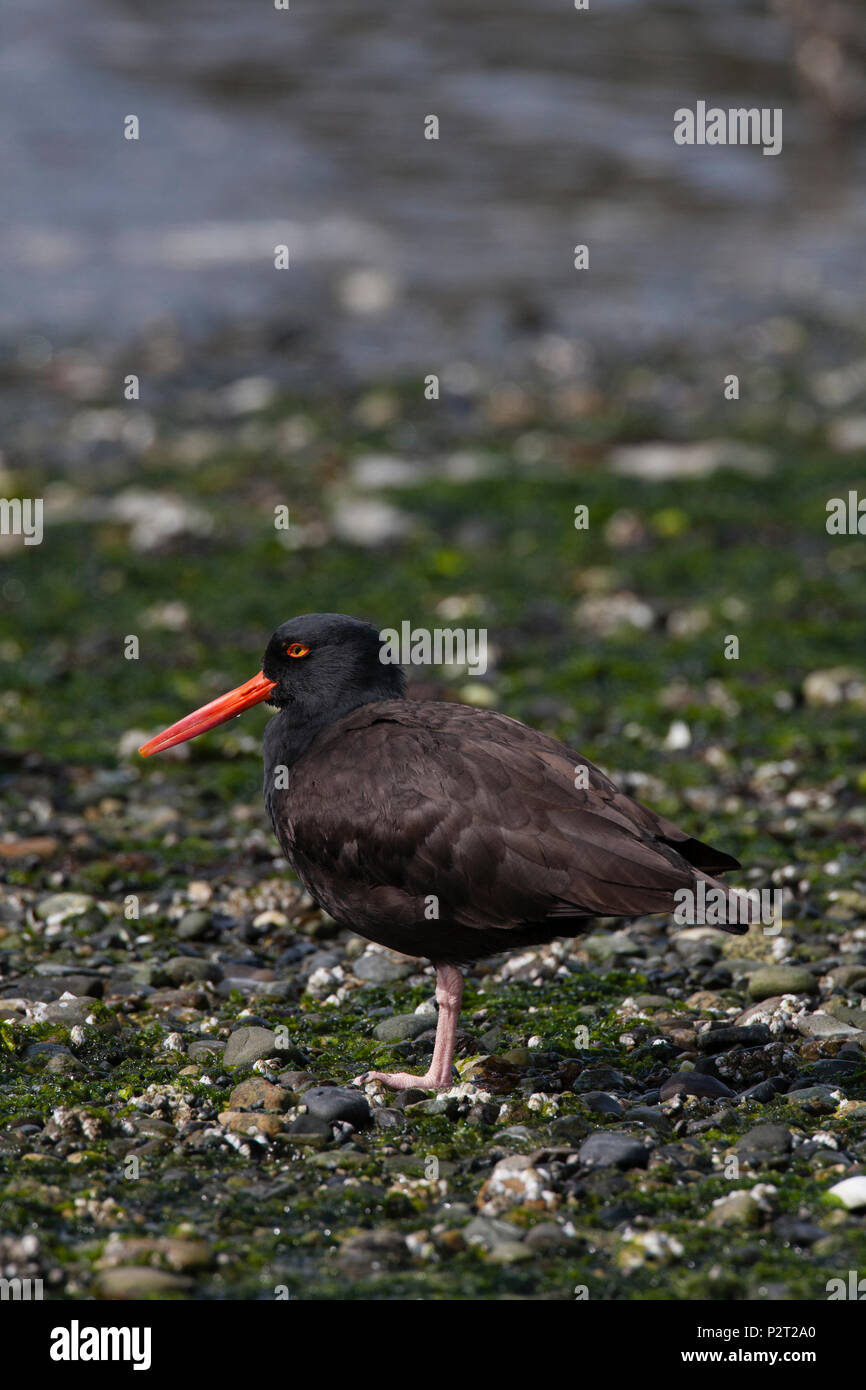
(834, 1068)
(763, 1093)
(695, 1083)
(311, 1125)
(181, 970)
(386, 1117)
(413, 1096)
(765, 1139)
(599, 1078)
(334, 1103)
(720, 1039)
(46, 1049)
(600, 1103)
(610, 1149)
(296, 1080)
(568, 1129)
(797, 1232)
(402, 1026)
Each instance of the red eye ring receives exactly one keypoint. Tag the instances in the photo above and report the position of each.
(297, 649)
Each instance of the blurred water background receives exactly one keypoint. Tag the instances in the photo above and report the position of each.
(306, 127)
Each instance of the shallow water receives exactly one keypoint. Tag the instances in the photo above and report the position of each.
(306, 127)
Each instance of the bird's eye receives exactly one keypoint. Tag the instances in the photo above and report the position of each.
(297, 649)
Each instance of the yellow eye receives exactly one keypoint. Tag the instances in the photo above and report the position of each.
(297, 649)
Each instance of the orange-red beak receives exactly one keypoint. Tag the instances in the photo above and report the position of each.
(217, 712)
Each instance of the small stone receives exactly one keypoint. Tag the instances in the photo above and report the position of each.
(824, 1025)
(762, 1093)
(548, 1238)
(796, 1232)
(569, 1129)
(248, 1045)
(192, 925)
(514, 1181)
(599, 1079)
(378, 969)
(694, 1083)
(720, 1039)
(308, 1129)
(488, 1232)
(137, 1282)
(251, 1122)
(821, 1100)
(258, 1091)
(204, 1047)
(604, 946)
(769, 980)
(737, 1209)
(373, 1251)
(600, 1103)
(296, 1080)
(59, 907)
(387, 1117)
(39, 846)
(334, 1103)
(510, 1252)
(402, 1026)
(851, 1192)
(610, 1149)
(765, 1141)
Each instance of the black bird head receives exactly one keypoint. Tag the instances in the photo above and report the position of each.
(320, 661)
(316, 667)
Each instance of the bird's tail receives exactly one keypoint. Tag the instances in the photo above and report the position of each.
(711, 903)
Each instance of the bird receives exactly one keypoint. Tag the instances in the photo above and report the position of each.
(438, 829)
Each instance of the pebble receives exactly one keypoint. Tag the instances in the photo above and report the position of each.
(180, 970)
(765, 1140)
(721, 1039)
(402, 1026)
(192, 925)
(248, 1045)
(140, 1281)
(737, 1209)
(694, 1083)
(488, 1232)
(771, 980)
(333, 1103)
(60, 907)
(600, 1103)
(309, 1129)
(599, 1079)
(515, 1181)
(375, 968)
(851, 1192)
(251, 1121)
(610, 1149)
(823, 1025)
(257, 1091)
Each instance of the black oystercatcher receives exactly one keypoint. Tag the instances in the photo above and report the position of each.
(437, 829)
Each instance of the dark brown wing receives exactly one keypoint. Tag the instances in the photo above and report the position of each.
(402, 811)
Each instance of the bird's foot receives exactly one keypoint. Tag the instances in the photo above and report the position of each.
(402, 1081)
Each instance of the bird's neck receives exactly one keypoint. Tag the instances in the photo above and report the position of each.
(291, 731)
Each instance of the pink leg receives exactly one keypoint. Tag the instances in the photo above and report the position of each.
(449, 993)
